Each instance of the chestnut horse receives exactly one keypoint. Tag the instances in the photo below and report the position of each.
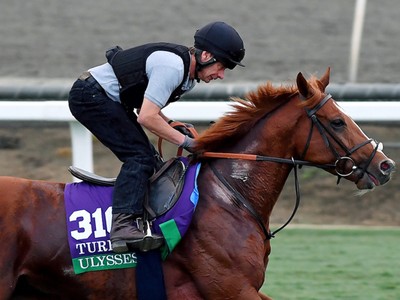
(246, 158)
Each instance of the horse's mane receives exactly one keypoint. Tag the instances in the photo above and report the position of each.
(246, 113)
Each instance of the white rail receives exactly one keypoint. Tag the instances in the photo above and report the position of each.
(187, 111)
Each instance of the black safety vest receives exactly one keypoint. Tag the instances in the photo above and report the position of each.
(130, 68)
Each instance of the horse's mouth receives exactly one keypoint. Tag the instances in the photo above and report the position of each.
(369, 181)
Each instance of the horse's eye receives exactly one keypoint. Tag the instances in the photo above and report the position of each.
(337, 123)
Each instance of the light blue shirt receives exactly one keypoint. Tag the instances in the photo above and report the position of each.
(164, 70)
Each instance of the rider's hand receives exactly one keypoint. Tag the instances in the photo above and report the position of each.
(188, 125)
(188, 144)
(183, 128)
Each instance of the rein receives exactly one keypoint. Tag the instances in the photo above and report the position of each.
(240, 201)
(255, 157)
(324, 132)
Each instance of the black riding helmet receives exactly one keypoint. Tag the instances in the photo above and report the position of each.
(221, 40)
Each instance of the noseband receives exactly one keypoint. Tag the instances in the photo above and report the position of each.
(339, 166)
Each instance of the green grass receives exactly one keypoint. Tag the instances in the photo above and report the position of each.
(324, 264)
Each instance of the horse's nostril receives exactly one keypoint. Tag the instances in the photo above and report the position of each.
(387, 166)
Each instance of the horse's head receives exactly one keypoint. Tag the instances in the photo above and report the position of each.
(335, 139)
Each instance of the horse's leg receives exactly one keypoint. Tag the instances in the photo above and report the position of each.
(183, 286)
(264, 297)
(252, 295)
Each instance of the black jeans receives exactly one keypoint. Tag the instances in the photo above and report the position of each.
(108, 121)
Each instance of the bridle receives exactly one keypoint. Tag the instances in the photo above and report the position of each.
(326, 134)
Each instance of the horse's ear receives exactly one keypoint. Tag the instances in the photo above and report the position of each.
(325, 78)
(302, 85)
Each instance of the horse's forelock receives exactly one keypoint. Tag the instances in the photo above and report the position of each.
(246, 113)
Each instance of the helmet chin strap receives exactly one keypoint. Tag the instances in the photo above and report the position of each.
(200, 64)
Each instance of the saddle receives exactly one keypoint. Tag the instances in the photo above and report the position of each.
(165, 185)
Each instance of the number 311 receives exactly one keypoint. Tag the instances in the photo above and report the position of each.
(87, 227)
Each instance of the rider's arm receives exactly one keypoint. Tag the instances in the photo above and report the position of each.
(151, 118)
(165, 73)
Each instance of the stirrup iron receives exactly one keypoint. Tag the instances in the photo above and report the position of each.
(150, 241)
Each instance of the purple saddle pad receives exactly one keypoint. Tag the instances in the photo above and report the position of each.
(88, 213)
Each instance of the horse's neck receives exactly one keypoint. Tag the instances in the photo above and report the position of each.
(261, 182)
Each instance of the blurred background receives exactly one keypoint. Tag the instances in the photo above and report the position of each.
(58, 38)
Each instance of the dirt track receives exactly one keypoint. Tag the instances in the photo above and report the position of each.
(59, 39)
